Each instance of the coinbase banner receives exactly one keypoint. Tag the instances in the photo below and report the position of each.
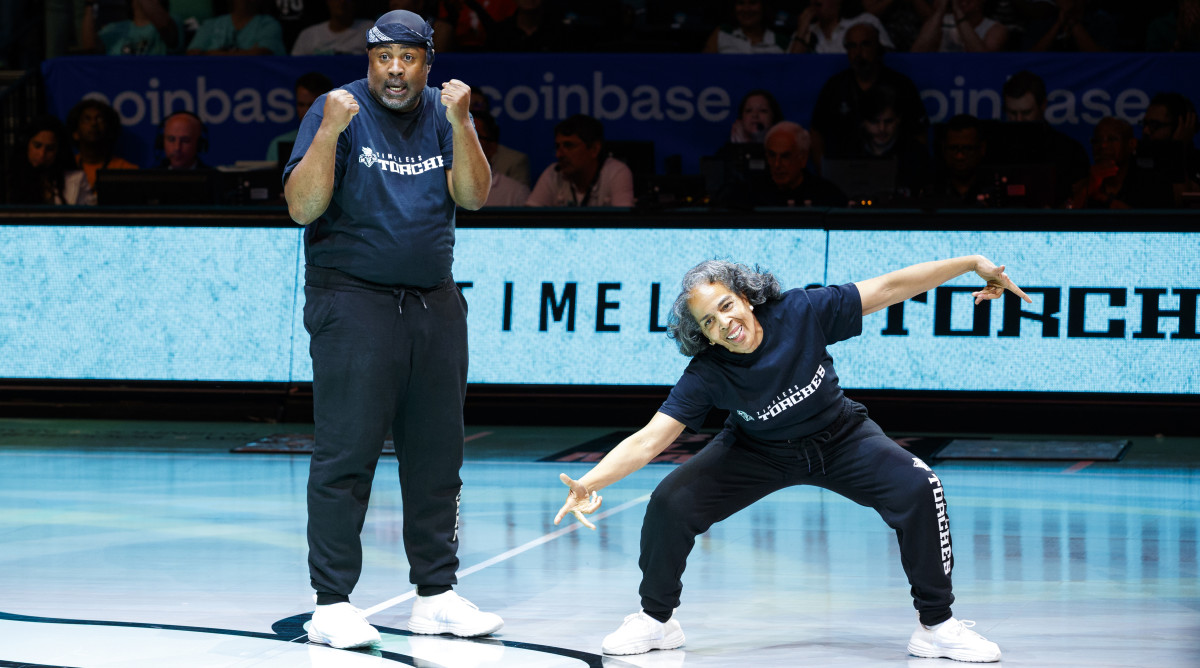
(684, 103)
(1113, 312)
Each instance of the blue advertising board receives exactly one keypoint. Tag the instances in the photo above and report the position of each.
(685, 103)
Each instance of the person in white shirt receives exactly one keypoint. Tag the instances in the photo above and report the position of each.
(341, 34)
(959, 25)
(584, 174)
(821, 28)
(748, 33)
(506, 191)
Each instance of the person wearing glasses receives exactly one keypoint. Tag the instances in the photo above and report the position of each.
(1168, 142)
(960, 183)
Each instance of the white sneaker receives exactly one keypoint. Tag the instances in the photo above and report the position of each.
(450, 613)
(952, 639)
(640, 633)
(341, 625)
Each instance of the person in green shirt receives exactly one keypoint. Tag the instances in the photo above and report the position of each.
(244, 31)
(149, 31)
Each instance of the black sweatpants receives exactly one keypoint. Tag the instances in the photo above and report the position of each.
(384, 358)
(851, 457)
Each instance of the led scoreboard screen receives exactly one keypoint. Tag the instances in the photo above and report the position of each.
(1112, 312)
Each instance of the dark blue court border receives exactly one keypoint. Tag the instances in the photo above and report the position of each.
(291, 629)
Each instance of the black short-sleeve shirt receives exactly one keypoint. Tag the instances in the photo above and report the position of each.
(785, 389)
(391, 218)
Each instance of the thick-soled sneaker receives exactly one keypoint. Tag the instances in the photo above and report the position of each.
(341, 625)
(640, 633)
(952, 639)
(450, 613)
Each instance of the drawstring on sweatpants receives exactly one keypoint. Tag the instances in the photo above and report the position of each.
(815, 443)
(400, 293)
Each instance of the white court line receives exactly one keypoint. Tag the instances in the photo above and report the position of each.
(504, 556)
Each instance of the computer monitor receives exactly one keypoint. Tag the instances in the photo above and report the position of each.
(1165, 161)
(734, 168)
(134, 187)
(674, 190)
(253, 186)
(285, 153)
(1022, 186)
(1017, 143)
(862, 179)
(638, 155)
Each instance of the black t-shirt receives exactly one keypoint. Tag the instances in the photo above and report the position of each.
(391, 218)
(785, 389)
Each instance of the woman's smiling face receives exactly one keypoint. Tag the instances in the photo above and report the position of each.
(725, 317)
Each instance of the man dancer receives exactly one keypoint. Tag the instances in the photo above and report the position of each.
(376, 171)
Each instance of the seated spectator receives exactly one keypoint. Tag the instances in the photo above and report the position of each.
(443, 30)
(821, 28)
(95, 127)
(1168, 145)
(507, 161)
(533, 27)
(1025, 102)
(786, 147)
(188, 15)
(244, 31)
(1071, 25)
(836, 115)
(961, 182)
(293, 16)
(341, 34)
(748, 31)
(472, 21)
(182, 137)
(901, 19)
(880, 138)
(1008, 14)
(1177, 31)
(757, 112)
(1115, 181)
(1170, 117)
(505, 191)
(43, 171)
(149, 31)
(959, 25)
(740, 162)
(584, 174)
(308, 88)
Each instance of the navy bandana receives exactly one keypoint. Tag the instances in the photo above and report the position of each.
(402, 27)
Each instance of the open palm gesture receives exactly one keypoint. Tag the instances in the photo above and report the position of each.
(579, 502)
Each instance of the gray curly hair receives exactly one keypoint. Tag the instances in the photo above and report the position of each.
(756, 285)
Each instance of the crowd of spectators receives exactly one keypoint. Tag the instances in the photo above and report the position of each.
(306, 27)
(869, 141)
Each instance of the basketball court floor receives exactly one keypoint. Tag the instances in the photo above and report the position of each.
(151, 544)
